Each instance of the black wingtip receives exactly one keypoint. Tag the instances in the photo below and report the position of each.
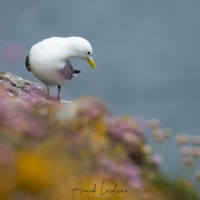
(77, 71)
(27, 63)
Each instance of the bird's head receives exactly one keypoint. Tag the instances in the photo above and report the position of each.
(82, 49)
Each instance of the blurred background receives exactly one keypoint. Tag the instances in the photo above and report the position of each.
(146, 52)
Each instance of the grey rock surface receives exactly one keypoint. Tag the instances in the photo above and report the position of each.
(27, 90)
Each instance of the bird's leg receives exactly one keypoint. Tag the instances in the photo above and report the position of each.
(59, 87)
(48, 95)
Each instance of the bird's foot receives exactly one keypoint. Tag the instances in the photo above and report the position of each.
(58, 98)
(51, 98)
(65, 101)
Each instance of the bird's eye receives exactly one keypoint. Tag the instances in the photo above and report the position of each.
(88, 52)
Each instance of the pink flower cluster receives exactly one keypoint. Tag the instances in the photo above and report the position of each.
(17, 117)
(90, 109)
(126, 170)
(126, 131)
(157, 159)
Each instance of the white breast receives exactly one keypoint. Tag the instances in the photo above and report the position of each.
(46, 59)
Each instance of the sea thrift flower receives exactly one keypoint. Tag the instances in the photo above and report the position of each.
(166, 132)
(196, 152)
(16, 115)
(157, 159)
(186, 151)
(90, 109)
(126, 170)
(159, 137)
(189, 161)
(197, 175)
(125, 131)
(154, 123)
(196, 140)
(182, 138)
(156, 132)
(136, 182)
(146, 149)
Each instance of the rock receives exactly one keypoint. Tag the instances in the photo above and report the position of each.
(24, 89)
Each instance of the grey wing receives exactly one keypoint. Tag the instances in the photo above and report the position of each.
(67, 71)
(27, 63)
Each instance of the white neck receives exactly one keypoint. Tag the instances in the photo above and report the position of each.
(69, 45)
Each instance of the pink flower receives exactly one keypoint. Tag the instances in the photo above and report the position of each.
(127, 131)
(157, 159)
(186, 150)
(126, 170)
(196, 139)
(136, 182)
(90, 108)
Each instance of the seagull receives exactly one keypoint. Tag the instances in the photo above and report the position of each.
(49, 60)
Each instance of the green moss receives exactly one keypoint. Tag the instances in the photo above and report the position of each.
(175, 189)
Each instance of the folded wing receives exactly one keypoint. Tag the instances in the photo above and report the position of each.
(68, 72)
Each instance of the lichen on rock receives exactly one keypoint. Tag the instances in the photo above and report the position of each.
(22, 88)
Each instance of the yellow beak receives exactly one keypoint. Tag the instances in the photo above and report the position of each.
(92, 63)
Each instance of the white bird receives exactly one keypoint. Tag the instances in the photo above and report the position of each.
(49, 61)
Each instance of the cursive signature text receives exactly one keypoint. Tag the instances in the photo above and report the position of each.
(103, 190)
